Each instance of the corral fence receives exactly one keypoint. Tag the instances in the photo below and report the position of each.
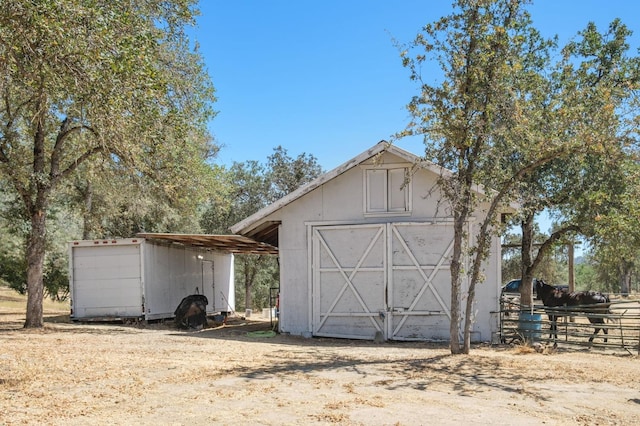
(573, 327)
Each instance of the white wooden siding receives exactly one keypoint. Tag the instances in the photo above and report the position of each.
(398, 192)
(376, 190)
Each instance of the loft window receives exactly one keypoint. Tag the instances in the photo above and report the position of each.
(386, 191)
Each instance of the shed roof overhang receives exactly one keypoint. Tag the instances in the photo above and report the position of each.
(266, 232)
(229, 243)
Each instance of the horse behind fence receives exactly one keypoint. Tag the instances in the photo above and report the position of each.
(593, 303)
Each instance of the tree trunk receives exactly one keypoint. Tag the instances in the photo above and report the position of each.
(526, 298)
(468, 316)
(572, 267)
(456, 268)
(454, 326)
(87, 226)
(248, 284)
(625, 277)
(482, 246)
(252, 265)
(36, 205)
(35, 263)
(248, 297)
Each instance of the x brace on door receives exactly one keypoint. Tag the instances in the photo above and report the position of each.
(428, 280)
(348, 283)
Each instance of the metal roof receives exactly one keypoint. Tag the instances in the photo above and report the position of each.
(228, 243)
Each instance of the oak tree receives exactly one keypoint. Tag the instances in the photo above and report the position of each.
(489, 55)
(80, 81)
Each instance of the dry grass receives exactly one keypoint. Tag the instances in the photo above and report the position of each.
(11, 301)
(84, 374)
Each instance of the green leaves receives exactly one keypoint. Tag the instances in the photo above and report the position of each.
(502, 115)
(119, 74)
(247, 187)
(105, 87)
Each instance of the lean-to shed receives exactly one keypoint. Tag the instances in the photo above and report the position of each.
(364, 251)
(146, 277)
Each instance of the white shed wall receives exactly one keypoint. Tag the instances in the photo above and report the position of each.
(224, 297)
(143, 278)
(487, 295)
(173, 272)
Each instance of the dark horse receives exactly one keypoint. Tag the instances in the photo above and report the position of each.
(589, 302)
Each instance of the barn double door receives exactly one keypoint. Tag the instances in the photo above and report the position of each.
(390, 280)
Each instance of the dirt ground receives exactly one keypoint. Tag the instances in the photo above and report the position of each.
(95, 374)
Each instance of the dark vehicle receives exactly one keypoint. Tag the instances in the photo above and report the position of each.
(512, 288)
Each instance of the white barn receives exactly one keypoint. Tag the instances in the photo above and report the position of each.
(362, 254)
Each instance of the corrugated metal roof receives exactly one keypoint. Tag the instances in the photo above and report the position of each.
(229, 243)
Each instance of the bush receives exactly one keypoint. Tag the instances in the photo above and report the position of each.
(13, 270)
(56, 277)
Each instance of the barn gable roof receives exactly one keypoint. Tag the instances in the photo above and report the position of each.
(267, 232)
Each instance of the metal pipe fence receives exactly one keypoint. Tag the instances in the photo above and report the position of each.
(622, 325)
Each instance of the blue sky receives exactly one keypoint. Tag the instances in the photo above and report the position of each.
(324, 77)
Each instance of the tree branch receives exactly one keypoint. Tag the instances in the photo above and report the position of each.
(64, 132)
(77, 162)
(546, 246)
